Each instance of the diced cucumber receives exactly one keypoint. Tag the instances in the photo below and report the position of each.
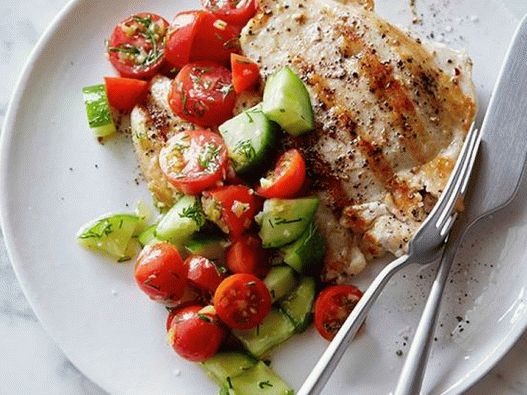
(275, 329)
(226, 365)
(182, 220)
(249, 137)
(259, 380)
(299, 303)
(148, 236)
(210, 247)
(283, 221)
(286, 101)
(98, 110)
(307, 252)
(280, 281)
(110, 234)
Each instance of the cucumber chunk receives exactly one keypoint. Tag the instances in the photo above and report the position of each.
(182, 220)
(258, 380)
(283, 221)
(249, 137)
(280, 281)
(299, 303)
(98, 110)
(275, 329)
(210, 247)
(226, 365)
(148, 236)
(286, 101)
(305, 254)
(110, 234)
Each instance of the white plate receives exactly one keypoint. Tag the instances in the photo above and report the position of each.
(113, 334)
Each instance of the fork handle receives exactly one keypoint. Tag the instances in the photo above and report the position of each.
(412, 374)
(329, 360)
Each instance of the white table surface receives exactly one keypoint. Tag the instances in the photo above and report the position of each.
(31, 362)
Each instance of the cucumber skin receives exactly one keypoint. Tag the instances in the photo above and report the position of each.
(280, 281)
(304, 296)
(249, 383)
(275, 234)
(227, 364)
(245, 123)
(306, 254)
(98, 110)
(208, 247)
(148, 236)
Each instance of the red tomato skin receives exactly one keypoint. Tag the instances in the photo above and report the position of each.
(161, 273)
(245, 73)
(238, 15)
(203, 273)
(193, 181)
(330, 314)
(204, 106)
(181, 37)
(246, 255)
(125, 93)
(290, 176)
(118, 37)
(215, 39)
(226, 197)
(195, 334)
(242, 301)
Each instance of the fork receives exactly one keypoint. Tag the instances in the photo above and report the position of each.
(426, 246)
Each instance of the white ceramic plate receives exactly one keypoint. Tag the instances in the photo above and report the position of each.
(55, 177)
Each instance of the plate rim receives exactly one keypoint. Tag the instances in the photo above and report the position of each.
(8, 135)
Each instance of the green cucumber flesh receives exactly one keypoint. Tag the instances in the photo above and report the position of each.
(258, 380)
(148, 236)
(307, 253)
(298, 305)
(280, 281)
(283, 221)
(210, 247)
(275, 329)
(110, 234)
(182, 220)
(249, 137)
(226, 365)
(286, 101)
(98, 110)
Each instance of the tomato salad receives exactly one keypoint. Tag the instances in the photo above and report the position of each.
(235, 260)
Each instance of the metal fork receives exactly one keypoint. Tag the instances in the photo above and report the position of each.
(425, 247)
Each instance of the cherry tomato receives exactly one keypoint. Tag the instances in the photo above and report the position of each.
(181, 37)
(237, 12)
(233, 206)
(245, 73)
(204, 273)
(161, 273)
(125, 93)
(333, 306)
(287, 179)
(196, 333)
(191, 296)
(246, 255)
(215, 39)
(202, 93)
(136, 46)
(194, 160)
(242, 301)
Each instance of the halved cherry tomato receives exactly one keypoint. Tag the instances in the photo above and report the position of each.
(161, 273)
(232, 208)
(202, 93)
(242, 301)
(194, 160)
(196, 333)
(333, 306)
(234, 11)
(125, 93)
(181, 37)
(204, 273)
(246, 255)
(215, 39)
(287, 179)
(136, 47)
(245, 73)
